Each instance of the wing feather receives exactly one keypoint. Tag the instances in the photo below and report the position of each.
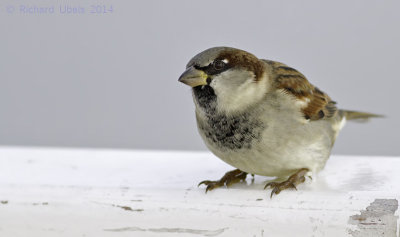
(317, 104)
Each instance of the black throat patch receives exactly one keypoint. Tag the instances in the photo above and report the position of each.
(222, 131)
(206, 98)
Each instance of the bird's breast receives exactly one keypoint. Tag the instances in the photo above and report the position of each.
(224, 132)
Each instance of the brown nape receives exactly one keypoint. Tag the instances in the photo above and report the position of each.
(242, 59)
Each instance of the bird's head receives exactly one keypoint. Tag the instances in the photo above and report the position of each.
(226, 79)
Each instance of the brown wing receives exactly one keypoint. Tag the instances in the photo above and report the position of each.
(318, 105)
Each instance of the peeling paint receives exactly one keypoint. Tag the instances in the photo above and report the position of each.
(126, 208)
(171, 230)
(40, 203)
(377, 220)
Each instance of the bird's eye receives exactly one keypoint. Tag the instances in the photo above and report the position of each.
(219, 64)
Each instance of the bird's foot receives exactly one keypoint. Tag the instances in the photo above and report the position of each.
(228, 179)
(290, 183)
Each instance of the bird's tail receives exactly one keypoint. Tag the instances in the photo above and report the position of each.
(358, 116)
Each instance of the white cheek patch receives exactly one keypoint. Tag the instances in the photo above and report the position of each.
(226, 61)
(237, 90)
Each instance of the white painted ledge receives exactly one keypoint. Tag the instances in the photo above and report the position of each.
(79, 192)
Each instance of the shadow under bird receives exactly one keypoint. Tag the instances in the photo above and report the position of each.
(262, 117)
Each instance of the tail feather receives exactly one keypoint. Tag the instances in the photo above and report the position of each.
(358, 116)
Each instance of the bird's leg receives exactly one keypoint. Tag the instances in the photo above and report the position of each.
(291, 182)
(228, 179)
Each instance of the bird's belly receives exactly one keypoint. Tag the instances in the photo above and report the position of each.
(277, 151)
(272, 162)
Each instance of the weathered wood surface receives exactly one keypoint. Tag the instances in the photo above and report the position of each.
(83, 192)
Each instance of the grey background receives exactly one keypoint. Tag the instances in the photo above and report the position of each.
(110, 80)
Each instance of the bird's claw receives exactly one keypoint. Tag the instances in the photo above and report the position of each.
(205, 182)
(290, 183)
(278, 187)
(228, 179)
(211, 184)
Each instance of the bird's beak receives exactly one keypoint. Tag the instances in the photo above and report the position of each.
(193, 77)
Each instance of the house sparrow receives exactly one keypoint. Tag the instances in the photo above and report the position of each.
(262, 117)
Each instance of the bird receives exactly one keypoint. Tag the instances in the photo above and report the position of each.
(262, 117)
